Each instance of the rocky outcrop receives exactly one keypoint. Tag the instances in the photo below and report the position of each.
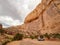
(34, 14)
(45, 18)
(37, 11)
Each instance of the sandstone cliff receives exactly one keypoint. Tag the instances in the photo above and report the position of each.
(45, 18)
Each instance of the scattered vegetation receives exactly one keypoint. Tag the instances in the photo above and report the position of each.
(18, 37)
(54, 36)
(1, 31)
(32, 37)
(47, 35)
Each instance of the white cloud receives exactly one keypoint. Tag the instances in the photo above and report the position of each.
(24, 6)
(8, 21)
(13, 12)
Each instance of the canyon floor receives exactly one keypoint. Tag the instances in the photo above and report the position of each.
(34, 42)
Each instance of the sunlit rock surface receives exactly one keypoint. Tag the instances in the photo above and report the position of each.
(45, 18)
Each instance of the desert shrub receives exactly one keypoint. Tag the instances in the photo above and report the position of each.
(18, 37)
(41, 36)
(32, 37)
(56, 36)
(1, 31)
(47, 35)
(36, 36)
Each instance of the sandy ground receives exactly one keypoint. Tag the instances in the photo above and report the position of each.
(34, 42)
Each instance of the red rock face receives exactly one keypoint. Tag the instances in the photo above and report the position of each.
(46, 17)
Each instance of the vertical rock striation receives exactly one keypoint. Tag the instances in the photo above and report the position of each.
(45, 18)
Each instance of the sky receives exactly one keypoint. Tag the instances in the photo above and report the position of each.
(13, 12)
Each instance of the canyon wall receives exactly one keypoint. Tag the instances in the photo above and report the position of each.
(45, 18)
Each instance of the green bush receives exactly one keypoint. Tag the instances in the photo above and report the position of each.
(47, 35)
(56, 36)
(32, 37)
(18, 37)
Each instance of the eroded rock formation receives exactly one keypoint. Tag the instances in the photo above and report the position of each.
(45, 18)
